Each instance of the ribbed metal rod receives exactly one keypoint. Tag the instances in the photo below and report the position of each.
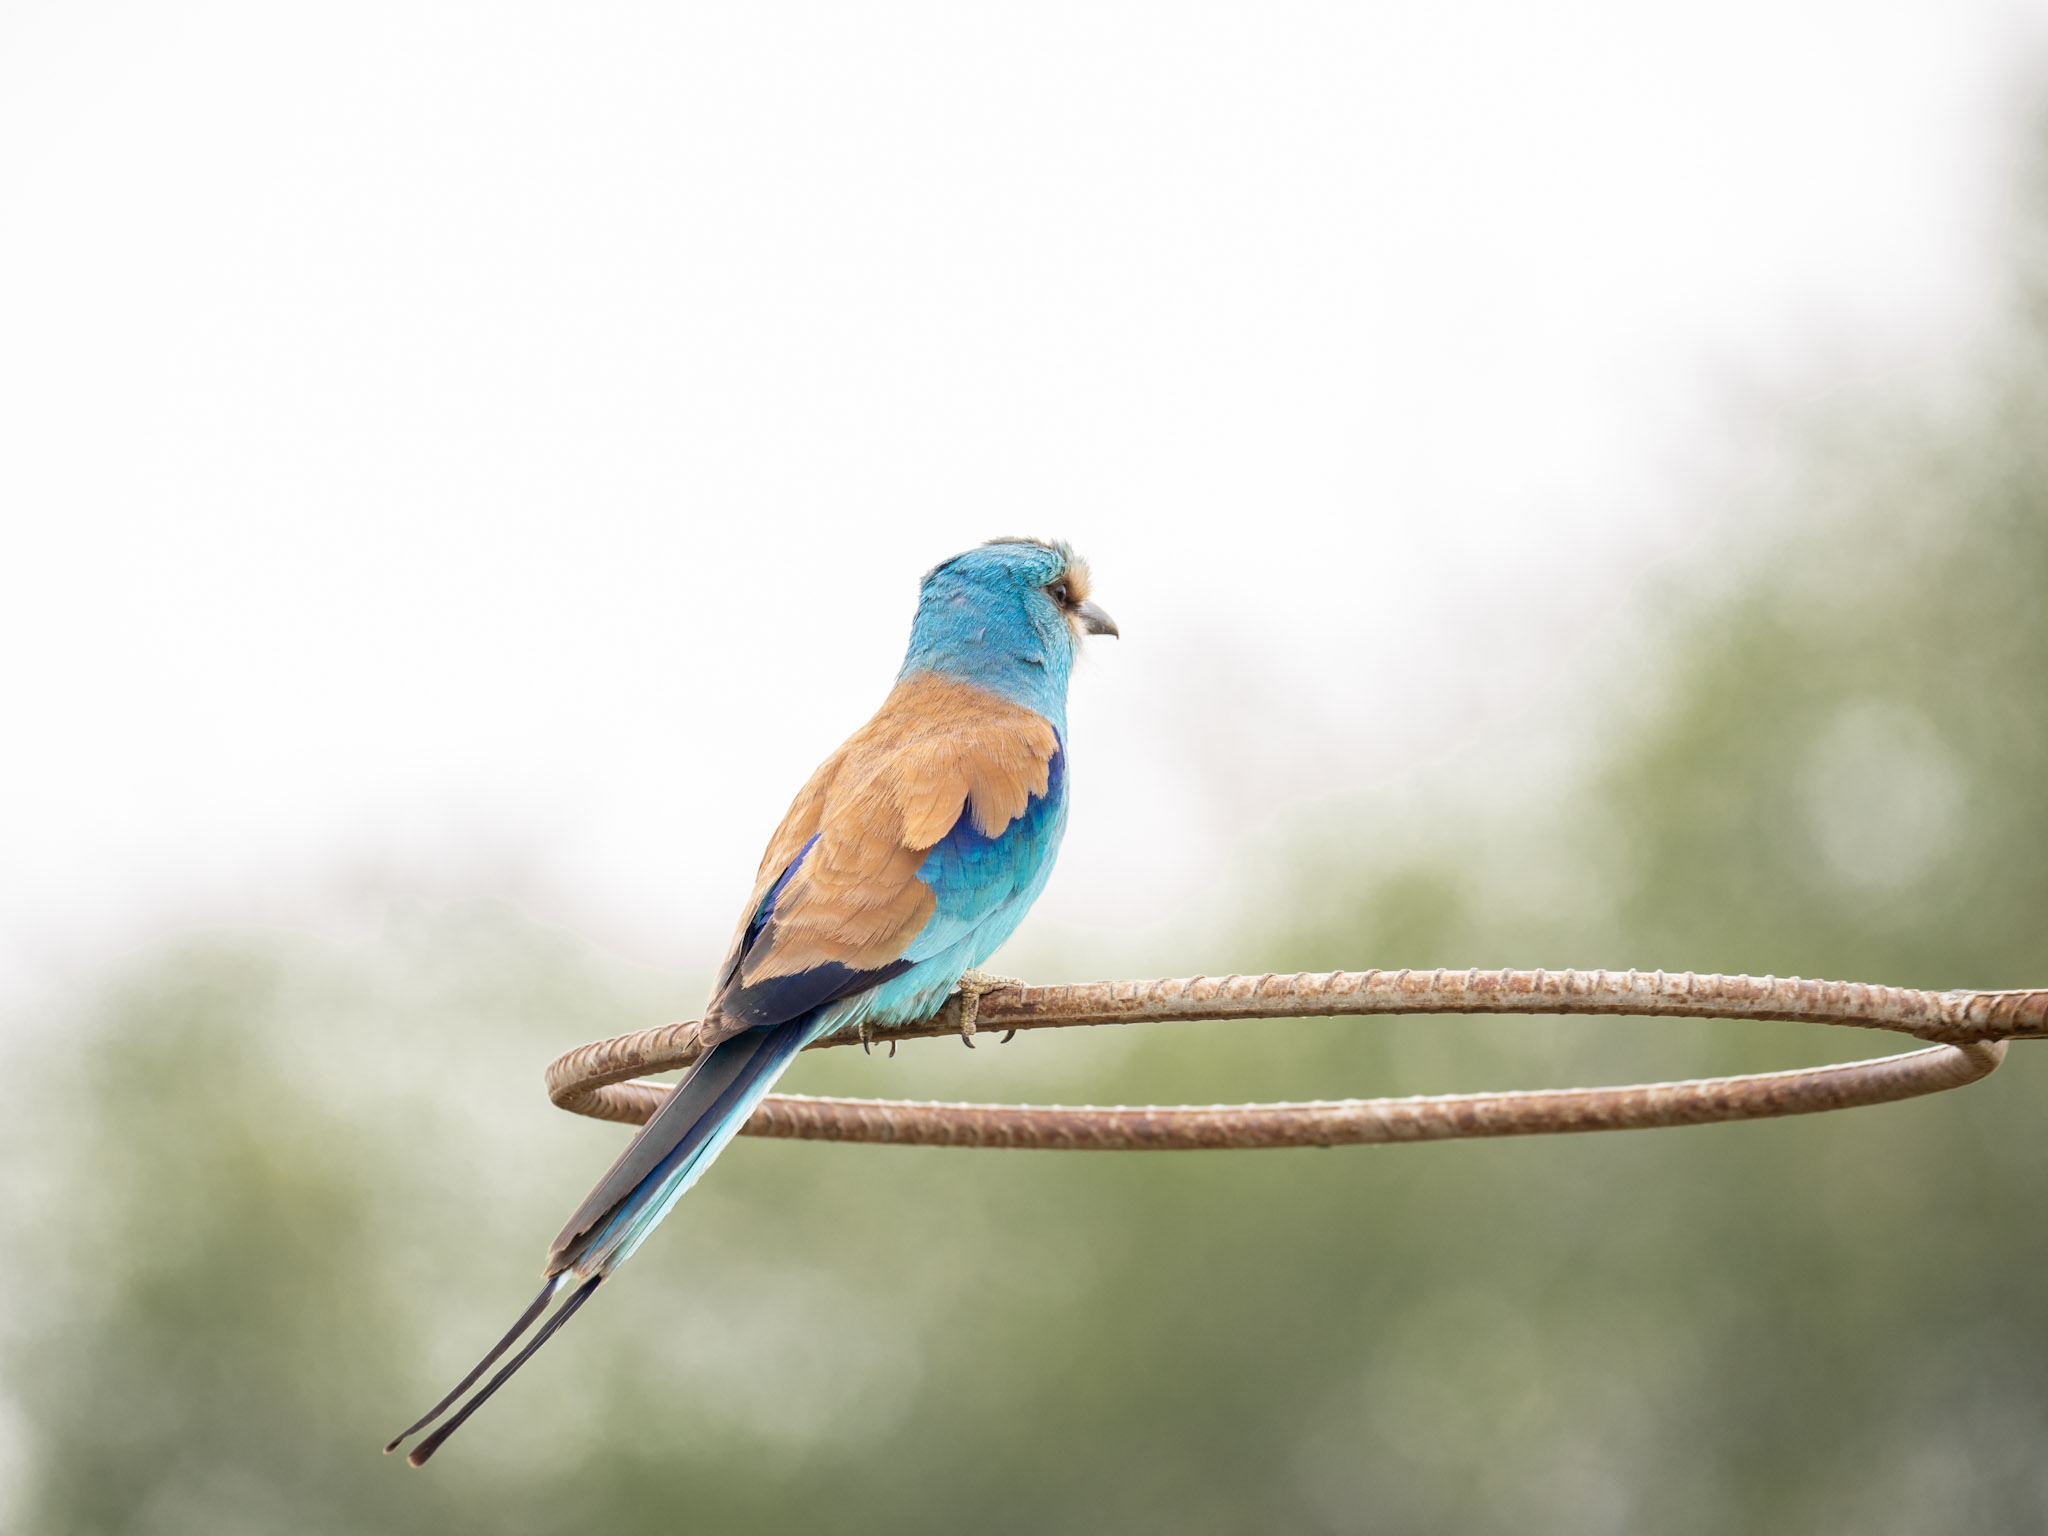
(594, 1079)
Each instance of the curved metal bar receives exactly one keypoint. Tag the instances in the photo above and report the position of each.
(593, 1079)
(1346, 1122)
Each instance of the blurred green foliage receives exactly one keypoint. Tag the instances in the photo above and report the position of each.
(267, 1196)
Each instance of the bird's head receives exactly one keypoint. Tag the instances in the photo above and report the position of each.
(1007, 615)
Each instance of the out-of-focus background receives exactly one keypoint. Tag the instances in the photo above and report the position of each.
(1574, 480)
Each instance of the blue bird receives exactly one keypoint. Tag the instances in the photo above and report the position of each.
(910, 856)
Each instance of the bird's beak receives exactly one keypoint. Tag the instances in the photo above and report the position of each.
(1094, 620)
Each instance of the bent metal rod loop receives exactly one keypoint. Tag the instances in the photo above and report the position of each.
(1969, 1028)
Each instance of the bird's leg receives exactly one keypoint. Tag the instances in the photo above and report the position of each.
(973, 986)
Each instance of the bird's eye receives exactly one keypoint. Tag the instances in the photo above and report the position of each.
(1059, 592)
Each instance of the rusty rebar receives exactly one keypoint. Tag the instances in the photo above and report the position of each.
(1970, 1028)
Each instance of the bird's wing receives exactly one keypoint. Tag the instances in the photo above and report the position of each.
(839, 905)
(942, 768)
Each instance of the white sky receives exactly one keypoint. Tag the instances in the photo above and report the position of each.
(493, 447)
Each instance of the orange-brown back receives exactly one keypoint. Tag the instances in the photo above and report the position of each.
(936, 750)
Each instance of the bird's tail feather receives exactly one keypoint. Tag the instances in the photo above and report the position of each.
(683, 1138)
(678, 1144)
(427, 1447)
(540, 1305)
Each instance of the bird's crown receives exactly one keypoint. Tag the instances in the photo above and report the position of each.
(1024, 562)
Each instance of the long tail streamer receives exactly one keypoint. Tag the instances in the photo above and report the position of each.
(432, 1443)
(663, 1161)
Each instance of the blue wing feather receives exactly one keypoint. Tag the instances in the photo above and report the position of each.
(983, 886)
(978, 879)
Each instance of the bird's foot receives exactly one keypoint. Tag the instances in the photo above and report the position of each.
(973, 986)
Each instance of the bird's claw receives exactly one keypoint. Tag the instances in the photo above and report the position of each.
(972, 987)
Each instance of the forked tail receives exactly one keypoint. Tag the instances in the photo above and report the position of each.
(704, 1113)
